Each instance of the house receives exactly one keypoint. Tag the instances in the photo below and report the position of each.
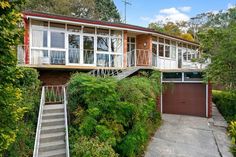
(58, 45)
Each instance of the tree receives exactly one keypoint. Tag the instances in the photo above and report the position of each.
(171, 28)
(91, 9)
(221, 43)
(10, 93)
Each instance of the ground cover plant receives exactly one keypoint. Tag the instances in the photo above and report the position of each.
(110, 117)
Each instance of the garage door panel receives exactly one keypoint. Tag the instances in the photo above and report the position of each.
(185, 98)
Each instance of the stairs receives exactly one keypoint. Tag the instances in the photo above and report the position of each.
(116, 73)
(127, 72)
(52, 133)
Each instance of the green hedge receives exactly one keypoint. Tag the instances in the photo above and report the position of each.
(120, 116)
(23, 145)
(226, 103)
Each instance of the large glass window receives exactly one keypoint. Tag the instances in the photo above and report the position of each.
(116, 33)
(167, 51)
(172, 76)
(102, 43)
(39, 24)
(173, 52)
(193, 76)
(57, 57)
(116, 45)
(39, 38)
(57, 40)
(103, 32)
(74, 48)
(103, 60)
(161, 50)
(116, 61)
(88, 49)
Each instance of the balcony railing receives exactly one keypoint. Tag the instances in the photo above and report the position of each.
(139, 57)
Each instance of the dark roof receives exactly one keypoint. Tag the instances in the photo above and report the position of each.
(104, 23)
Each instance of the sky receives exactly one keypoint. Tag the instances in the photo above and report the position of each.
(143, 12)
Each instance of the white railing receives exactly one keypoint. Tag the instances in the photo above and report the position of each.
(54, 94)
(105, 72)
(66, 122)
(37, 137)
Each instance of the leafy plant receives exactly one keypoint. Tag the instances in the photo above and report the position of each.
(232, 133)
(121, 114)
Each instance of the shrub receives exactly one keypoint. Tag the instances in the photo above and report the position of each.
(24, 142)
(92, 147)
(232, 132)
(226, 103)
(121, 115)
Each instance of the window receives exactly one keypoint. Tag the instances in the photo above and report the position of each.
(193, 76)
(167, 51)
(73, 28)
(116, 33)
(161, 40)
(102, 43)
(116, 61)
(103, 32)
(189, 55)
(154, 38)
(116, 45)
(57, 40)
(173, 52)
(161, 50)
(103, 60)
(88, 50)
(172, 76)
(154, 48)
(57, 26)
(74, 48)
(57, 57)
(39, 24)
(89, 30)
(185, 55)
(39, 38)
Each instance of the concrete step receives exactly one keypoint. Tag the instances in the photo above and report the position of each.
(54, 153)
(53, 115)
(53, 122)
(53, 109)
(44, 147)
(52, 129)
(44, 138)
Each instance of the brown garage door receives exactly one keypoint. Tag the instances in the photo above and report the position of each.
(185, 99)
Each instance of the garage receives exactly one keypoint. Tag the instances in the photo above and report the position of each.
(185, 93)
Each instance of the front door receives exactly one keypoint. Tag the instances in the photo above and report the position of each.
(131, 46)
(179, 58)
(74, 49)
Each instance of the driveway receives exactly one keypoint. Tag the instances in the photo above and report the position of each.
(187, 136)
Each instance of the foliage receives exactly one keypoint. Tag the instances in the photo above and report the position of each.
(222, 69)
(92, 147)
(171, 28)
(101, 111)
(24, 142)
(10, 92)
(226, 103)
(232, 132)
(91, 9)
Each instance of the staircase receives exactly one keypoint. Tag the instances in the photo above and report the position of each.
(52, 130)
(119, 74)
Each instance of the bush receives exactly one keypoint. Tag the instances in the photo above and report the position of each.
(226, 103)
(232, 132)
(24, 143)
(121, 115)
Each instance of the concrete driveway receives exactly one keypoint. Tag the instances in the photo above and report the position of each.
(187, 136)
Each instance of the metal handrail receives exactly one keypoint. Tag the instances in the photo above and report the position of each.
(37, 137)
(66, 122)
